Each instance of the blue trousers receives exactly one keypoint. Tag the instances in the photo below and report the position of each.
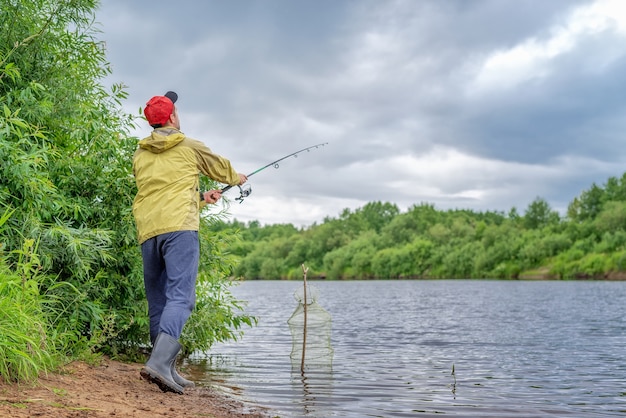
(170, 268)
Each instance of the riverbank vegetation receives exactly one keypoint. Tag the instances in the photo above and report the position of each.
(70, 268)
(378, 241)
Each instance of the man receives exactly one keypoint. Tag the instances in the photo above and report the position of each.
(166, 208)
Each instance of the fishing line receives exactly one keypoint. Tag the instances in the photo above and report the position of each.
(246, 189)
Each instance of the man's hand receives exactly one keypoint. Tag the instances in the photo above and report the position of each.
(212, 196)
(242, 178)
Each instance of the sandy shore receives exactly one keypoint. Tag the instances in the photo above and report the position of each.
(113, 389)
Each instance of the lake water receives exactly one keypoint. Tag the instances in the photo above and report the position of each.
(463, 348)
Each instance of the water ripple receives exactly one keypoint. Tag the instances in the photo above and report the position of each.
(432, 348)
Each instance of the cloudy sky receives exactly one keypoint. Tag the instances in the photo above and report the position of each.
(469, 104)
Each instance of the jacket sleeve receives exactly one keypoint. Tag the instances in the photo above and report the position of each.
(212, 165)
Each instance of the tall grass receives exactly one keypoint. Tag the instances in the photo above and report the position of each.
(24, 351)
(24, 347)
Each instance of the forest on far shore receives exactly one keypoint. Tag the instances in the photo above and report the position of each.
(377, 241)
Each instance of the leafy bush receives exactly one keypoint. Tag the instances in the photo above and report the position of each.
(67, 179)
(592, 264)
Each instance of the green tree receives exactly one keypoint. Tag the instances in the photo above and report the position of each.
(67, 178)
(372, 216)
(588, 205)
(363, 250)
(539, 214)
(612, 217)
(401, 229)
(615, 189)
(337, 262)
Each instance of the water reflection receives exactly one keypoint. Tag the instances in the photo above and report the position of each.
(316, 392)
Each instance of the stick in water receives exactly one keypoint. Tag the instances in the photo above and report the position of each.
(304, 271)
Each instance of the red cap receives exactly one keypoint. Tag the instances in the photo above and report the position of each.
(159, 109)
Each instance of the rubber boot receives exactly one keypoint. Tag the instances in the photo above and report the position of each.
(179, 379)
(158, 368)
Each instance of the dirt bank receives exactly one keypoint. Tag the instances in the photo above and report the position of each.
(113, 389)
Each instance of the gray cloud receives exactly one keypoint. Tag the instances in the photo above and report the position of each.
(482, 105)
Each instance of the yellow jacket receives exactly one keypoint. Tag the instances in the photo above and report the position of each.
(166, 167)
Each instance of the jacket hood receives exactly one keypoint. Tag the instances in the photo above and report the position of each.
(161, 139)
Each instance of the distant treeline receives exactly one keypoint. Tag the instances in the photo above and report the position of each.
(378, 241)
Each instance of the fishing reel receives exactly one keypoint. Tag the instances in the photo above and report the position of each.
(244, 191)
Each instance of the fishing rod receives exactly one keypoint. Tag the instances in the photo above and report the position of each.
(247, 189)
